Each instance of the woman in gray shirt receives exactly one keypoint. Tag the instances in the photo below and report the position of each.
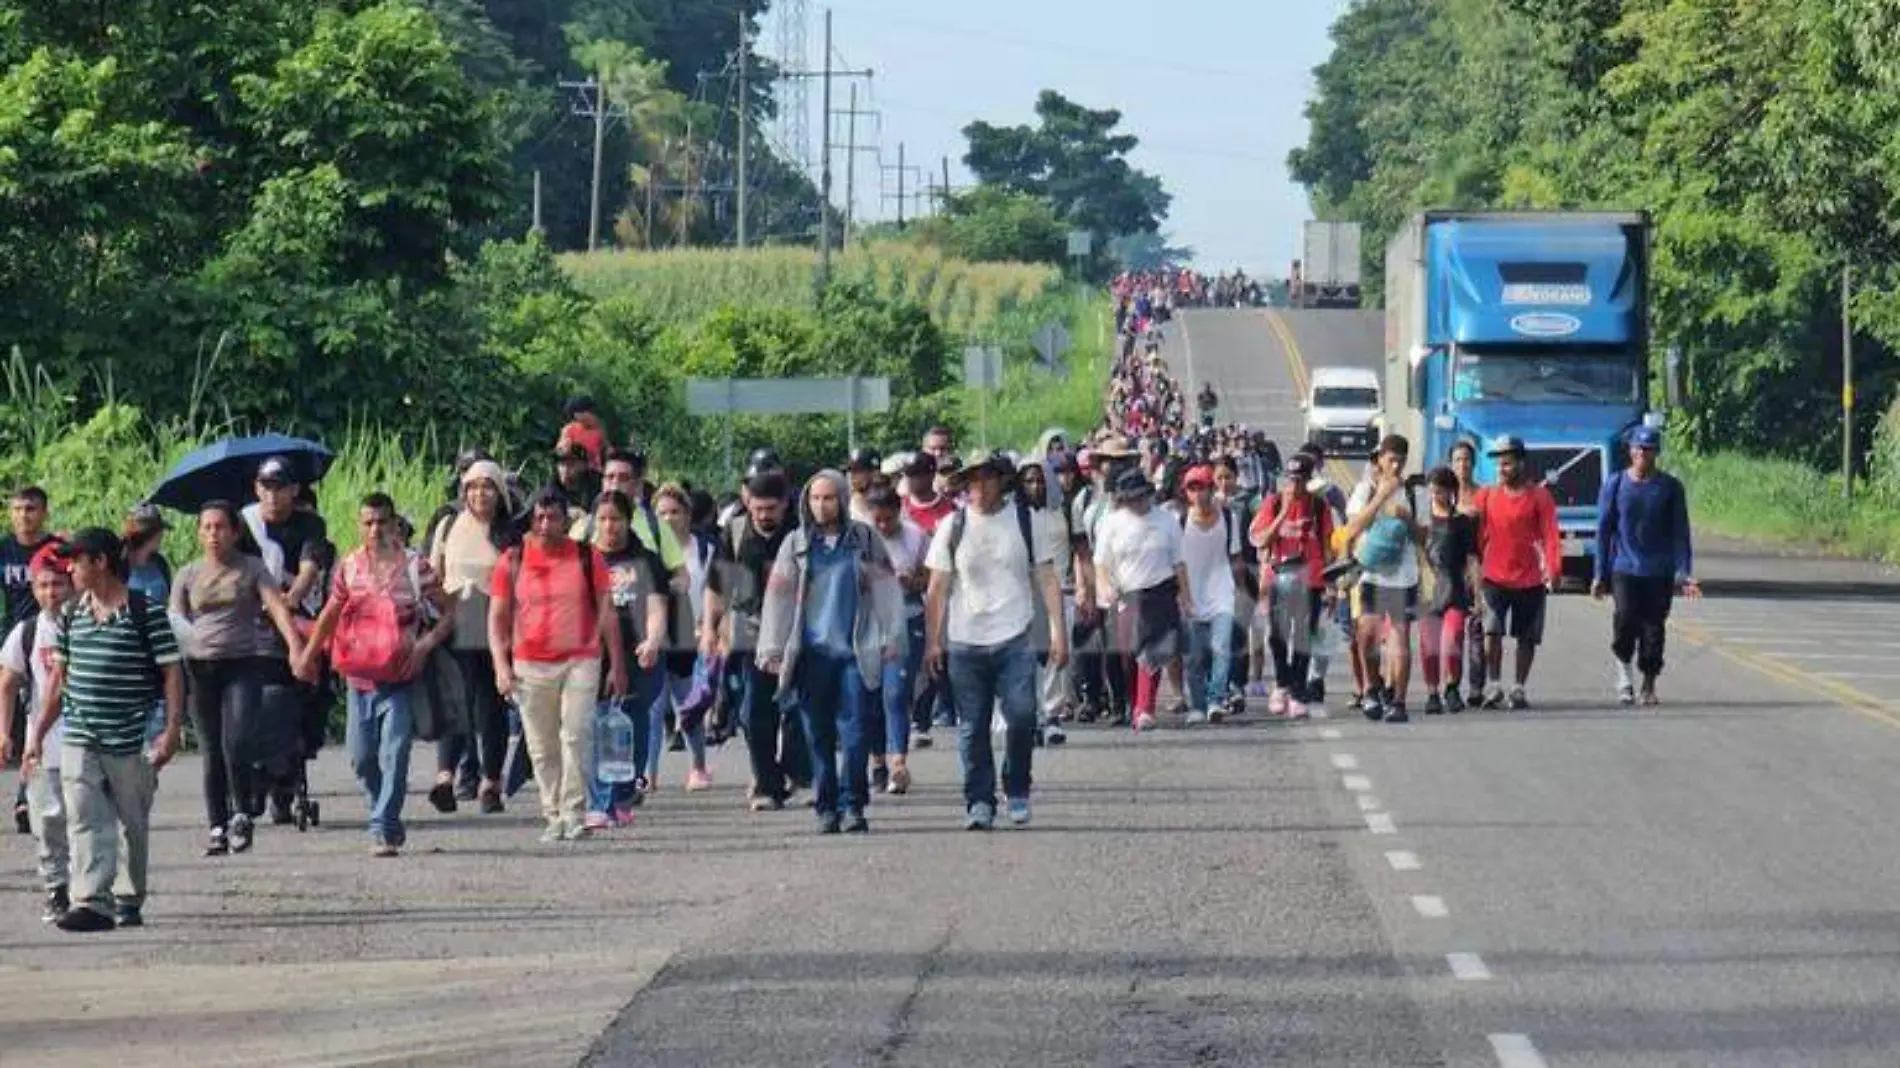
(218, 603)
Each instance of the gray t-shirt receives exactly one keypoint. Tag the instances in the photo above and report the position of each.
(224, 604)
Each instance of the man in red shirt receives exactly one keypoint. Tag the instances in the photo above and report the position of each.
(925, 506)
(1523, 561)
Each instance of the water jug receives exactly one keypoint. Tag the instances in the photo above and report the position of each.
(613, 746)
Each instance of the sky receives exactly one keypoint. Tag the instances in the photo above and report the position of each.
(1213, 88)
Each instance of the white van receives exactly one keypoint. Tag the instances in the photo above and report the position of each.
(1342, 410)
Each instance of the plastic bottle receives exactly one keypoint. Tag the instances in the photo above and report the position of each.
(613, 745)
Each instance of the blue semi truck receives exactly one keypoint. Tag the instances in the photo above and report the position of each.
(1533, 324)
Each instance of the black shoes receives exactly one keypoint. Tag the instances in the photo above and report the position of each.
(129, 915)
(83, 920)
(442, 796)
(58, 904)
(855, 823)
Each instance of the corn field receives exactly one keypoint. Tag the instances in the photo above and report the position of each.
(685, 285)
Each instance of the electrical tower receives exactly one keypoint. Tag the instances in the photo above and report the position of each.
(794, 98)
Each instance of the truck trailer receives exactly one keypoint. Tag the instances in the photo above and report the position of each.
(1530, 324)
(1328, 276)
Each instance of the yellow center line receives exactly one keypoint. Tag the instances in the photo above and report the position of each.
(1342, 476)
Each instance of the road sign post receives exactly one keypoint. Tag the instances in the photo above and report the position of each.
(788, 396)
(983, 371)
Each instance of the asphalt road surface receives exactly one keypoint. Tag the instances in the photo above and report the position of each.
(1710, 883)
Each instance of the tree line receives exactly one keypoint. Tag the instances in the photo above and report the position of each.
(1762, 136)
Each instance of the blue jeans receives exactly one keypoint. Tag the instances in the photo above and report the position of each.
(1210, 648)
(382, 727)
(638, 705)
(892, 737)
(980, 677)
(764, 720)
(835, 701)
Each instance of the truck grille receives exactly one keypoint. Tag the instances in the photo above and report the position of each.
(1574, 475)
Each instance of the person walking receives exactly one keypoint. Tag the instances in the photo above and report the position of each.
(989, 567)
(1052, 682)
(1294, 533)
(551, 607)
(26, 662)
(1522, 561)
(1138, 553)
(1384, 528)
(833, 617)
(638, 585)
(906, 546)
(1463, 460)
(1210, 553)
(115, 656)
(1644, 555)
(387, 613)
(223, 597)
(1451, 553)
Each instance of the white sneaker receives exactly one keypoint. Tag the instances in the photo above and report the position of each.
(1625, 684)
(1196, 717)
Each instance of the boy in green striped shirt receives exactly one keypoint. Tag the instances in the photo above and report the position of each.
(116, 656)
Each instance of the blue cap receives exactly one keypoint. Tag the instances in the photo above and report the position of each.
(1645, 437)
(1505, 445)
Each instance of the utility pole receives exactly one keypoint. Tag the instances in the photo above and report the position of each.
(600, 137)
(900, 185)
(537, 201)
(1847, 383)
(852, 148)
(745, 106)
(946, 182)
(824, 170)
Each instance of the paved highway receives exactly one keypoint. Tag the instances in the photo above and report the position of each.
(1707, 884)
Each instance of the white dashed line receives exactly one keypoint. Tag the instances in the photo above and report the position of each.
(1367, 803)
(1331, 734)
(1468, 967)
(1358, 784)
(1516, 1051)
(1381, 823)
(1403, 860)
(1430, 907)
(1346, 762)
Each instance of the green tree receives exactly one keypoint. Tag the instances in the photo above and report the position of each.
(988, 223)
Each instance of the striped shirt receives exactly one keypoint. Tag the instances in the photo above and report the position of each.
(111, 680)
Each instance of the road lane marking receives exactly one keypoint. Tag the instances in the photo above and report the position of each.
(1468, 967)
(1331, 734)
(1403, 860)
(1345, 762)
(1381, 823)
(1764, 642)
(1853, 675)
(1368, 803)
(1430, 906)
(1844, 695)
(1830, 656)
(1358, 784)
(1516, 1051)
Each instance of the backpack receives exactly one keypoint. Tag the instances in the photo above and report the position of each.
(370, 641)
(1039, 621)
(1382, 545)
(1226, 522)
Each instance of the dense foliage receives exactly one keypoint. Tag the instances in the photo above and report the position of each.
(1761, 135)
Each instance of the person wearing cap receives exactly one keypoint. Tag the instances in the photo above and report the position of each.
(1293, 532)
(1211, 542)
(115, 656)
(463, 551)
(924, 505)
(990, 568)
(833, 617)
(729, 627)
(26, 662)
(1644, 553)
(584, 431)
(1388, 594)
(1138, 555)
(861, 470)
(1522, 557)
(1105, 631)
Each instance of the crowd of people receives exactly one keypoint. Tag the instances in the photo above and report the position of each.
(572, 634)
(1167, 288)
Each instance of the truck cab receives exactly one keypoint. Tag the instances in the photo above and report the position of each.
(1343, 410)
(1528, 324)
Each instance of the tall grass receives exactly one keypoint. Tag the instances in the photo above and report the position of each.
(685, 285)
(1032, 399)
(1782, 501)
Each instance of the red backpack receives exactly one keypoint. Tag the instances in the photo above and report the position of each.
(370, 642)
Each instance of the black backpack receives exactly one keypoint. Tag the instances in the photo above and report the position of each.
(1025, 523)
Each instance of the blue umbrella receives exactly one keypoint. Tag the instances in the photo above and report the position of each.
(225, 469)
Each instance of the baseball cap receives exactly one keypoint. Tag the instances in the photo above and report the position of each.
(1198, 476)
(1645, 437)
(862, 459)
(1505, 445)
(1132, 484)
(92, 541)
(921, 463)
(1300, 465)
(276, 471)
(48, 558)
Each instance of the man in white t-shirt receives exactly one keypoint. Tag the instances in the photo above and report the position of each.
(1388, 594)
(990, 563)
(1210, 551)
(1138, 556)
(23, 675)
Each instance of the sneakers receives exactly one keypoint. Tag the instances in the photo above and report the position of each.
(1144, 721)
(761, 803)
(880, 778)
(597, 821)
(1277, 702)
(1434, 705)
(129, 914)
(980, 817)
(1019, 811)
(490, 799)
(1648, 696)
(1395, 713)
(1217, 713)
(1454, 701)
(57, 905)
(240, 833)
(384, 849)
(1493, 697)
(22, 818)
(83, 920)
(830, 823)
(1053, 734)
(576, 832)
(920, 738)
(217, 845)
(698, 780)
(855, 823)
(1625, 684)
(442, 796)
(1518, 702)
(552, 832)
(1296, 709)
(1373, 707)
(1196, 717)
(900, 780)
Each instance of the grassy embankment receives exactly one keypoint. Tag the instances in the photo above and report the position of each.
(1788, 503)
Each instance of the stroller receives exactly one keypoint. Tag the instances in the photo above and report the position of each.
(290, 732)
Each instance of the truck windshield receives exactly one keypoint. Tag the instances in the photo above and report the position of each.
(1543, 374)
(1345, 397)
